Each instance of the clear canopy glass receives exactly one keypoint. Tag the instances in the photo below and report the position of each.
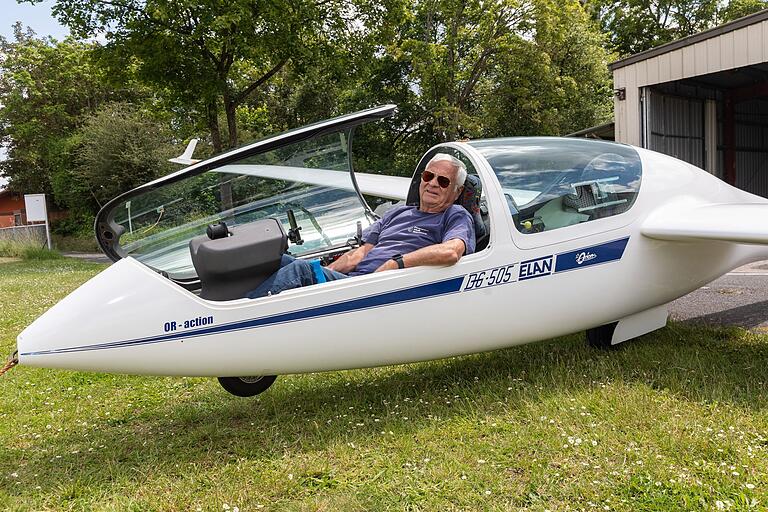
(551, 183)
(310, 177)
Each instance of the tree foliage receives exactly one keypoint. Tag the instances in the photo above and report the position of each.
(119, 148)
(450, 47)
(46, 87)
(739, 8)
(68, 131)
(477, 69)
(212, 55)
(246, 68)
(554, 82)
(634, 26)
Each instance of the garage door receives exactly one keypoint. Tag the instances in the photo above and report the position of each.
(674, 125)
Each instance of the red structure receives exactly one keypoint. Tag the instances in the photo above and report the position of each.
(12, 210)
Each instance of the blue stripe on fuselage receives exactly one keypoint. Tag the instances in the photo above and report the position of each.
(384, 299)
(593, 255)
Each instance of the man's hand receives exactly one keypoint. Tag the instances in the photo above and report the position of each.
(349, 260)
(387, 265)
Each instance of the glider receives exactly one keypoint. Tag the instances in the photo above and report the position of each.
(573, 234)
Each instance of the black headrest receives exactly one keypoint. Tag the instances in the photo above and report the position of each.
(469, 199)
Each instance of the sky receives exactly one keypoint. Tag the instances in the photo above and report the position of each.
(38, 18)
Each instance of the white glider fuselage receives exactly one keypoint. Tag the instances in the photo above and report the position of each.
(521, 288)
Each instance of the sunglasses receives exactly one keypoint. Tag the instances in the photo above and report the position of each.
(428, 176)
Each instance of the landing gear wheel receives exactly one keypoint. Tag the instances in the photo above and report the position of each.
(600, 337)
(247, 386)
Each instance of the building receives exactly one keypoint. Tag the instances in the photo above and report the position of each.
(703, 99)
(12, 209)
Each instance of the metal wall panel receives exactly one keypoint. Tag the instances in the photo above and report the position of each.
(676, 127)
(752, 147)
(729, 50)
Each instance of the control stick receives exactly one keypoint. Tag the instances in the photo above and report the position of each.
(293, 233)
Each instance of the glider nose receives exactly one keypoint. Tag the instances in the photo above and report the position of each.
(104, 308)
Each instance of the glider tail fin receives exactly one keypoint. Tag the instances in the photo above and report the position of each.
(186, 157)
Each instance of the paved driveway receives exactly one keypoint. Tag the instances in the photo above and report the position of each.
(95, 257)
(738, 298)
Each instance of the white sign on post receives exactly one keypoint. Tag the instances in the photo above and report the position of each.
(35, 204)
(37, 212)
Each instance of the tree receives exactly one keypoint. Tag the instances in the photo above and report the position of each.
(634, 26)
(503, 68)
(554, 82)
(46, 87)
(739, 8)
(212, 54)
(455, 69)
(119, 148)
(637, 25)
(450, 46)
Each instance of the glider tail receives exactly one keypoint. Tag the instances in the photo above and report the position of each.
(186, 157)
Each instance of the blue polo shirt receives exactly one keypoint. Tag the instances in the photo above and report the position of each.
(404, 229)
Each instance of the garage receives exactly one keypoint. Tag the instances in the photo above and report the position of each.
(703, 99)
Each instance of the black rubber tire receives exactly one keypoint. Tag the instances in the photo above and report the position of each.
(247, 386)
(600, 337)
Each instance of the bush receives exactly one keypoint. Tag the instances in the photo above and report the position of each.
(85, 243)
(77, 225)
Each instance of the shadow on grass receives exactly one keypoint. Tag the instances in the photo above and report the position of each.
(202, 425)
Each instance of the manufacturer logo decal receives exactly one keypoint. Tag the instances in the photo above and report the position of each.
(535, 268)
(594, 255)
(585, 256)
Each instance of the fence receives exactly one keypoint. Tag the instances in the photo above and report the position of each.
(30, 234)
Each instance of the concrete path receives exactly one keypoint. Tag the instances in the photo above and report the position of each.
(94, 257)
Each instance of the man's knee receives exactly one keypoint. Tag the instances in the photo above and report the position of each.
(298, 271)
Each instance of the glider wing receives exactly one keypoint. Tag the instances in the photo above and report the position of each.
(745, 223)
(389, 187)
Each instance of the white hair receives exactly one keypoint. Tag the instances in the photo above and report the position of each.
(461, 169)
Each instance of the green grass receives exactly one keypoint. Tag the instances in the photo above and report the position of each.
(26, 249)
(677, 420)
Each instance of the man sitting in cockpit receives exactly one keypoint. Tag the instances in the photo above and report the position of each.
(437, 232)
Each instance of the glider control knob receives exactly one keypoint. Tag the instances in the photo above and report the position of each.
(216, 231)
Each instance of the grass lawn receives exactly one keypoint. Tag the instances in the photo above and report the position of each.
(677, 420)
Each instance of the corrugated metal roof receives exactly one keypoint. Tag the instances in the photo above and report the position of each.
(602, 131)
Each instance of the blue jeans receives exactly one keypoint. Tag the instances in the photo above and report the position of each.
(292, 273)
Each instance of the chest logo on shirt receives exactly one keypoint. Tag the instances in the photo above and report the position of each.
(418, 230)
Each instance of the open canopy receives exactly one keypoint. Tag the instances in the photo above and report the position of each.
(306, 170)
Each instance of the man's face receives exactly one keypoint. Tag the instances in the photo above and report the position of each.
(434, 198)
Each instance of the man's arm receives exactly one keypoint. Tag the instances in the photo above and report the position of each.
(350, 259)
(446, 253)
